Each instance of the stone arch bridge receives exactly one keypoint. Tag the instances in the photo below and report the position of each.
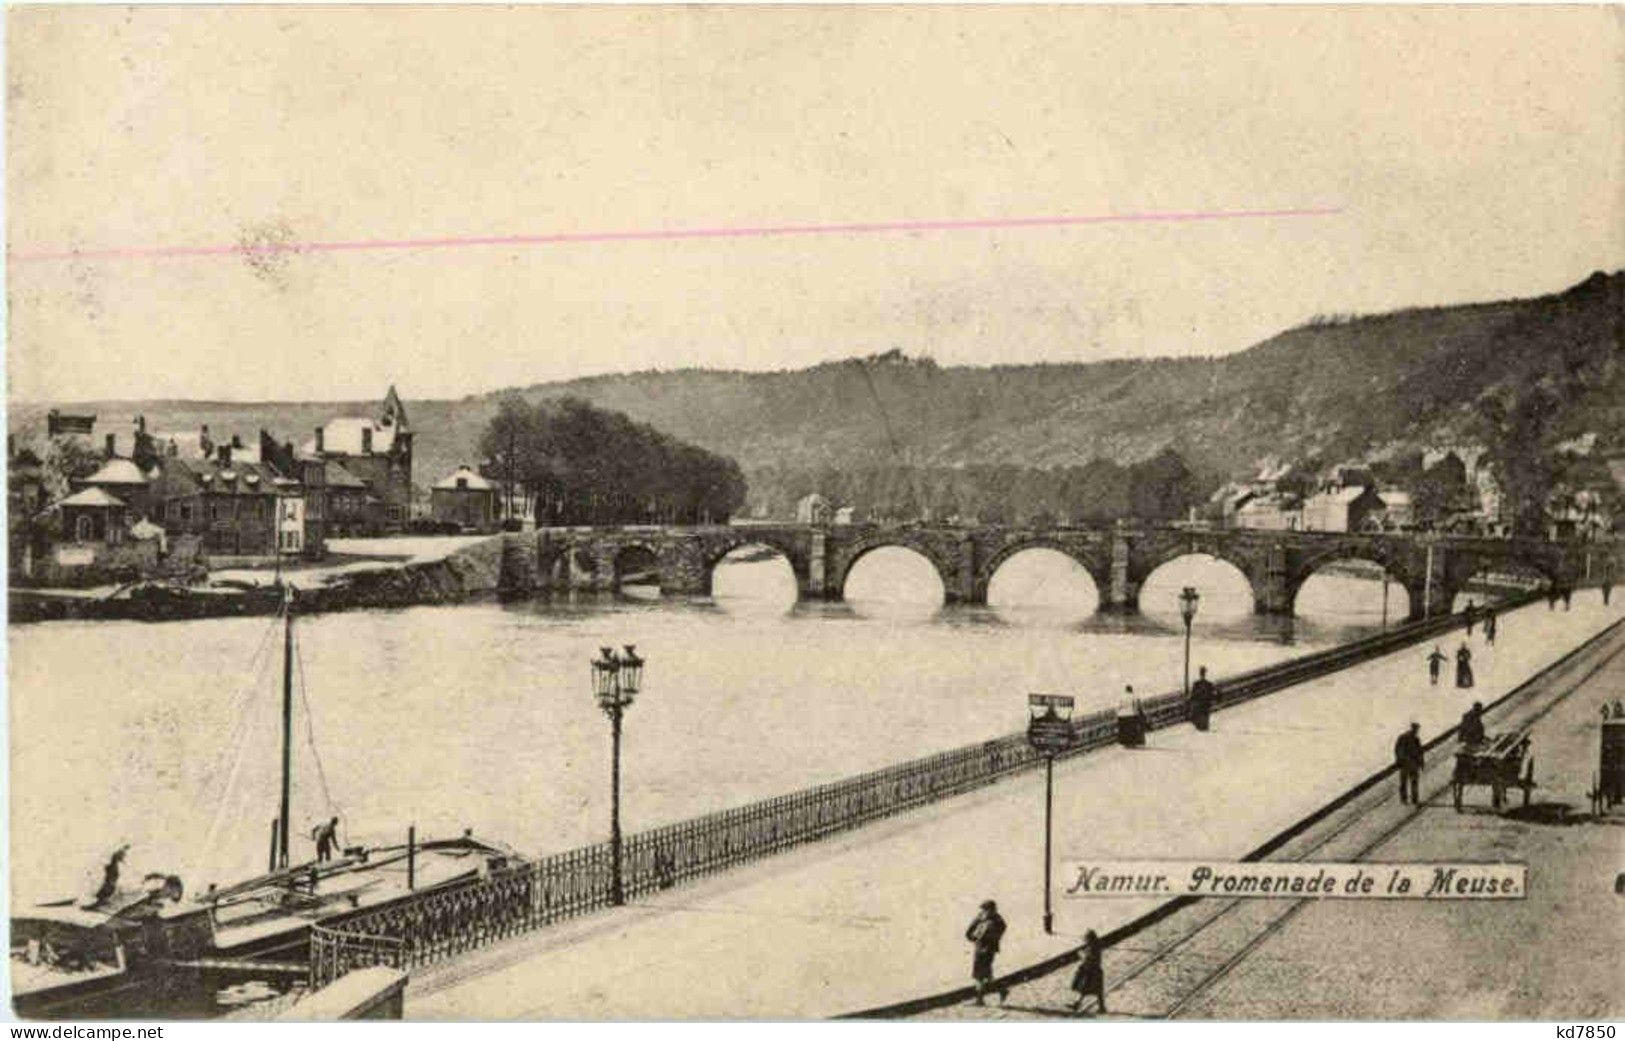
(1276, 563)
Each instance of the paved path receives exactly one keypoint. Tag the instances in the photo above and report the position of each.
(1269, 959)
(1553, 955)
(878, 915)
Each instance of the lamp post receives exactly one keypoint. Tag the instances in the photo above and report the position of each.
(615, 682)
(1049, 731)
(1188, 599)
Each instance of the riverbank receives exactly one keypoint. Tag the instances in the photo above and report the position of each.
(372, 573)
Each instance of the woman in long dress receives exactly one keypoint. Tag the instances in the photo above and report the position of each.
(1089, 980)
(1464, 667)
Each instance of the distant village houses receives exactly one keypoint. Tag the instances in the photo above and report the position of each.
(144, 503)
(1454, 489)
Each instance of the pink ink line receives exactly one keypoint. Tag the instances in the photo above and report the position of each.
(566, 238)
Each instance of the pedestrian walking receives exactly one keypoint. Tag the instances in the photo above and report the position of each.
(1464, 667)
(985, 932)
(1203, 695)
(1471, 728)
(1436, 662)
(1471, 613)
(1131, 720)
(1090, 978)
(1489, 627)
(1408, 758)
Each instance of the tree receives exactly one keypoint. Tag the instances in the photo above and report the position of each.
(1162, 487)
(67, 459)
(585, 465)
(1529, 471)
(1439, 491)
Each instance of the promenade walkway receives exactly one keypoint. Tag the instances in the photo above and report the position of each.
(878, 915)
(1552, 955)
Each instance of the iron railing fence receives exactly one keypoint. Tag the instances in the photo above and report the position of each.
(334, 952)
(443, 922)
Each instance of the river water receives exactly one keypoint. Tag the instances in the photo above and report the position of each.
(167, 736)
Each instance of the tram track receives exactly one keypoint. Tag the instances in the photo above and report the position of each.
(1596, 653)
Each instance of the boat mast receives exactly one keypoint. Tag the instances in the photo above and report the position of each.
(287, 722)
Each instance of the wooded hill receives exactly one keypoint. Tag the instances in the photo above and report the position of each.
(1519, 376)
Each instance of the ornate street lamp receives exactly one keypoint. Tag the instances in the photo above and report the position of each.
(1049, 731)
(1188, 599)
(615, 682)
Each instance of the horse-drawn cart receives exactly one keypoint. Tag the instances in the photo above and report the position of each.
(1498, 763)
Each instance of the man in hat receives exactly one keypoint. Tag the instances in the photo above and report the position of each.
(1471, 728)
(1408, 757)
(1203, 695)
(985, 932)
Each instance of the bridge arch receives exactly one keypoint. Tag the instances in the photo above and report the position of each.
(1395, 565)
(945, 568)
(786, 544)
(1374, 552)
(716, 548)
(635, 559)
(1099, 570)
(1145, 564)
(1465, 565)
(563, 566)
(1226, 587)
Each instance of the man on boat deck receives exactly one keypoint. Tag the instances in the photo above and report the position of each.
(327, 839)
(110, 875)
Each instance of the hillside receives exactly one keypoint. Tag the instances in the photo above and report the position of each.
(1330, 390)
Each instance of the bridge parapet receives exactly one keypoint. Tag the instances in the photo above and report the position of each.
(1120, 559)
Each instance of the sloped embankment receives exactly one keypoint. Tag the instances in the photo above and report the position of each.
(469, 573)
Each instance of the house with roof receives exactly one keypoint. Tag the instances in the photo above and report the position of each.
(465, 499)
(352, 509)
(93, 515)
(377, 451)
(1276, 511)
(85, 539)
(813, 509)
(230, 504)
(122, 479)
(1341, 508)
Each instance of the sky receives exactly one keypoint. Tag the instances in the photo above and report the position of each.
(177, 178)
